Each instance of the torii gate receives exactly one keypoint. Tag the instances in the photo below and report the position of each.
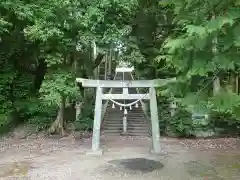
(100, 96)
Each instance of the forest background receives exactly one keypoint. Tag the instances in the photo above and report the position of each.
(45, 45)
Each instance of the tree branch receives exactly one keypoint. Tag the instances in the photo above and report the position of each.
(98, 60)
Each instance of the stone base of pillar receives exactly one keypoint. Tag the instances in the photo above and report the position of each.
(160, 153)
(124, 134)
(95, 153)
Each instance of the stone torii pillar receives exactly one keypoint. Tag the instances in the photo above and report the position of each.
(100, 84)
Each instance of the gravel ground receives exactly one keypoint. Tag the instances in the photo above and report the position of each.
(124, 158)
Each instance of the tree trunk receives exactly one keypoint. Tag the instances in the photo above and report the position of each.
(58, 125)
(106, 68)
(237, 83)
(216, 81)
(39, 75)
(94, 56)
(78, 109)
(110, 61)
(216, 85)
(78, 104)
(232, 82)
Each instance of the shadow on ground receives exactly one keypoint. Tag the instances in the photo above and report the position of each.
(137, 164)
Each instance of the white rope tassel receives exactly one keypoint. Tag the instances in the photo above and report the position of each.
(120, 108)
(130, 107)
(113, 105)
(136, 105)
(125, 111)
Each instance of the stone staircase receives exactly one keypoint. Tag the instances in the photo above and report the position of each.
(137, 123)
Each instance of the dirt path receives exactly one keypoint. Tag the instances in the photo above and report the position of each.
(124, 158)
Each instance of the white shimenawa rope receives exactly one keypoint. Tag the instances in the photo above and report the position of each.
(129, 104)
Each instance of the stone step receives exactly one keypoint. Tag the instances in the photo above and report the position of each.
(129, 114)
(109, 107)
(112, 113)
(131, 121)
(145, 134)
(142, 124)
(117, 110)
(136, 117)
(144, 129)
(128, 129)
(115, 119)
(122, 114)
(129, 125)
(121, 117)
(109, 123)
(122, 111)
(131, 131)
(120, 131)
(129, 135)
(128, 119)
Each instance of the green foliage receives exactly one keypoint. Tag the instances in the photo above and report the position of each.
(45, 45)
(85, 119)
(192, 46)
(57, 84)
(41, 116)
(176, 38)
(181, 124)
(225, 102)
(225, 123)
(4, 124)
